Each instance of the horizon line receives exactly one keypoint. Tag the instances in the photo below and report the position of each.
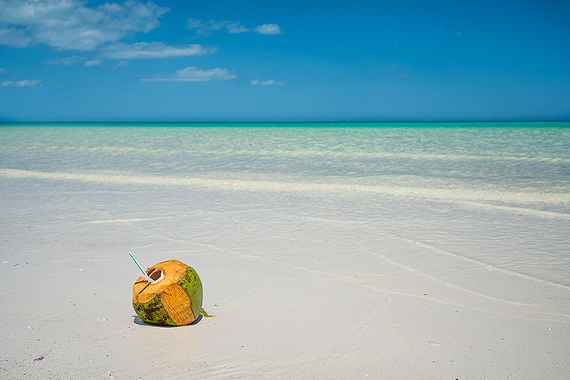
(289, 122)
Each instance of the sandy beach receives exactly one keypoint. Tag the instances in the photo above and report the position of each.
(304, 279)
(366, 189)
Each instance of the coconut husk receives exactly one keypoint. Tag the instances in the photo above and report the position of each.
(175, 297)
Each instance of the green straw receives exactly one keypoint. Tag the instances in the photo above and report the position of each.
(142, 271)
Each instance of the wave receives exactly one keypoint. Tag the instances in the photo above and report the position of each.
(237, 184)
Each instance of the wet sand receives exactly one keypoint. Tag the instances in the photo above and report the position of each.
(302, 282)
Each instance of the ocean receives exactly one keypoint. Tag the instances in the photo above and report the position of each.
(521, 162)
(517, 168)
(324, 248)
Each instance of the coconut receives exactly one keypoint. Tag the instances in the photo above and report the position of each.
(173, 299)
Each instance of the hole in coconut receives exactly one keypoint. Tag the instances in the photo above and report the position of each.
(156, 275)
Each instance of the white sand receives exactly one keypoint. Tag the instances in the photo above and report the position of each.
(303, 283)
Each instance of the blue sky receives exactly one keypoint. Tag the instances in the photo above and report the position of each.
(73, 60)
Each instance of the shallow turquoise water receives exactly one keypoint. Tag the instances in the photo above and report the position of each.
(498, 193)
(500, 157)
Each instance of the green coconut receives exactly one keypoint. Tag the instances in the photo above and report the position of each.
(173, 299)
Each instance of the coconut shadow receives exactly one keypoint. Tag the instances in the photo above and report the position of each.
(137, 320)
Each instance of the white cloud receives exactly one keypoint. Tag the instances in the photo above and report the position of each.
(93, 62)
(193, 74)
(268, 29)
(121, 64)
(144, 50)
(14, 37)
(22, 83)
(236, 27)
(207, 28)
(71, 24)
(268, 82)
(64, 61)
(2, 71)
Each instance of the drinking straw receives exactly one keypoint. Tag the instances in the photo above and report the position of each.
(144, 275)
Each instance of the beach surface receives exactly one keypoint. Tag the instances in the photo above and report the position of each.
(434, 264)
